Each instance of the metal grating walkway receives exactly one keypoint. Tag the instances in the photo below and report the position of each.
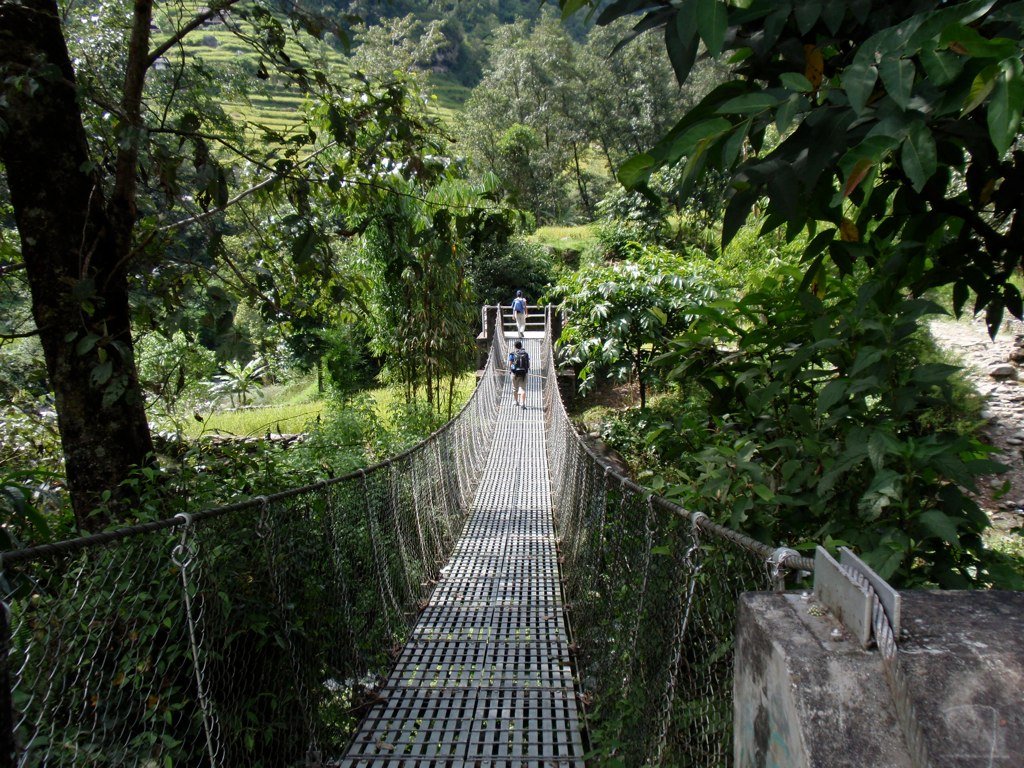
(485, 679)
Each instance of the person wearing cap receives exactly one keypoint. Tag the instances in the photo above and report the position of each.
(519, 312)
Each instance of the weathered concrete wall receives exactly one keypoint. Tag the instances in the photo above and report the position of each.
(806, 695)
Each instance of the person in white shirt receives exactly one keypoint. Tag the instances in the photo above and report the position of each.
(519, 312)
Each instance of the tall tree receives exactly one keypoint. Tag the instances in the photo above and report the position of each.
(516, 121)
(76, 201)
(76, 238)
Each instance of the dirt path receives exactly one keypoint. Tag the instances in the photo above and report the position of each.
(1004, 409)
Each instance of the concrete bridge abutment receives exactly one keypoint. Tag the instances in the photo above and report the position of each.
(806, 694)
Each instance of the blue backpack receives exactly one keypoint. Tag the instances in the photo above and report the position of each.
(519, 304)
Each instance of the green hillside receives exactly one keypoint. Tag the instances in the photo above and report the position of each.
(273, 102)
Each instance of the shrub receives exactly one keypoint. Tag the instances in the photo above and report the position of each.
(501, 267)
(818, 430)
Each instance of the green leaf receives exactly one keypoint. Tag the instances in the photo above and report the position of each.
(885, 560)
(1004, 112)
(866, 357)
(748, 102)
(303, 245)
(733, 143)
(982, 86)
(933, 373)
(795, 81)
(941, 67)
(688, 140)
(636, 170)
(807, 13)
(712, 21)
(975, 44)
(940, 524)
(764, 492)
(86, 343)
(681, 41)
(784, 114)
(833, 14)
(833, 392)
(100, 375)
(918, 155)
(878, 447)
(898, 77)
(859, 83)
(570, 7)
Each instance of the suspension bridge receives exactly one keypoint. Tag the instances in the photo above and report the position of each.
(496, 597)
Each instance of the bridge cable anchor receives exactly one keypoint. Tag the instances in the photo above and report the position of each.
(842, 587)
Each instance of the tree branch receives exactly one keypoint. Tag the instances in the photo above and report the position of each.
(22, 335)
(239, 197)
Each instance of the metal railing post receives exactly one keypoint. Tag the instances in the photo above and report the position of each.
(7, 749)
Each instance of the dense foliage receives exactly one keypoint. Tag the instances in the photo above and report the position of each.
(553, 117)
(884, 141)
(626, 313)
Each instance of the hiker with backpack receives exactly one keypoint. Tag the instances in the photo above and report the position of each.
(519, 364)
(519, 312)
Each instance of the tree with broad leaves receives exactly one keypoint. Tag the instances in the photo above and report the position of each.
(624, 314)
(899, 124)
(100, 178)
(895, 153)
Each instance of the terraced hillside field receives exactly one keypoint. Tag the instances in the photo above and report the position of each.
(271, 102)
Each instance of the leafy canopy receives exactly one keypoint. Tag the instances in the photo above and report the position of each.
(899, 126)
(625, 313)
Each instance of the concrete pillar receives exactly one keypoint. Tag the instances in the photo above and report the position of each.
(806, 694)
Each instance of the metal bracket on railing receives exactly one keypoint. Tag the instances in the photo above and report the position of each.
(778, 566)
(850, 601)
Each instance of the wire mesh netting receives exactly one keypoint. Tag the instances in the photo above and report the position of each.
(257, 634)
(250, 635)
(651, 600)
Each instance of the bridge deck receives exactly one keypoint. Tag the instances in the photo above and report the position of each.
(485, 679)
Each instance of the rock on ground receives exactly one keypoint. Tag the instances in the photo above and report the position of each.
(990, 365)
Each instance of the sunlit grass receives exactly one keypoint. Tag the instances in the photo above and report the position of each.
(577, 238)
(293, 409)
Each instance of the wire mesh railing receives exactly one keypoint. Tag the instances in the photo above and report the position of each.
(651, 595)
(248, 635)
(253, 634)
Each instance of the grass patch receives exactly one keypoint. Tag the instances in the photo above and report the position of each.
(388, 402)
(256, 422)
(561, 238)
(294, 407)
(1008, 543)
(451, 95)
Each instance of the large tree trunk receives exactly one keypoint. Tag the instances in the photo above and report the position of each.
(75, 254)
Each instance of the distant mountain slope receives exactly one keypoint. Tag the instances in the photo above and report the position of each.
(467, 25)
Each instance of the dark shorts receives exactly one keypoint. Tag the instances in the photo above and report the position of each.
(518, 380)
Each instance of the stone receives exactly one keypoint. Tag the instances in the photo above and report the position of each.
(1003, 371)
(803, 698)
